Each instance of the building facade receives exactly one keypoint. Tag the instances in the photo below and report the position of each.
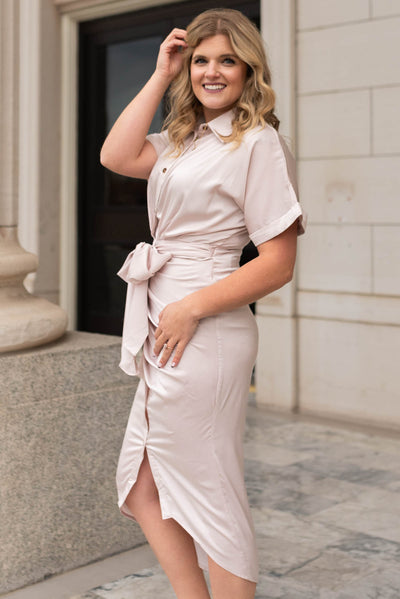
(330, 340)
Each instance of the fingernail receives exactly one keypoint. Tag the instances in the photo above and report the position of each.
(173, 365)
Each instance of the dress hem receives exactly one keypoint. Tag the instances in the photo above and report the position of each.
(168, 513)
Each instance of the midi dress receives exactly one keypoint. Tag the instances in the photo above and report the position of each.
(203, 207)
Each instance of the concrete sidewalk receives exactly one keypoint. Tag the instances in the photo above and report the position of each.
(326, 506)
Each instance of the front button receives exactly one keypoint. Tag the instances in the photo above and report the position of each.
(164, 170)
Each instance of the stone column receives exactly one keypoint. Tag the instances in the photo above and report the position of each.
(25, 320)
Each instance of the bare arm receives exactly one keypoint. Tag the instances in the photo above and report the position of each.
(125, 150)
(272, 268)
(269, 271)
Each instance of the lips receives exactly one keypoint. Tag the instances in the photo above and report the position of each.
(214, 87)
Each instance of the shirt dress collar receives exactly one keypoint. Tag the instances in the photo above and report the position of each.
(221, 126)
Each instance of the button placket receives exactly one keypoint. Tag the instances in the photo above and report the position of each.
(198, 134)
(164, 170)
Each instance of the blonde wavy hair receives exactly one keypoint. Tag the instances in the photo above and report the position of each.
(255, 107)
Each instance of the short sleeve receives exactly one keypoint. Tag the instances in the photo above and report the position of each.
(270, 201)
(160, 141)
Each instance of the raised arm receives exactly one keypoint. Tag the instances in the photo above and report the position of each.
(126, 150)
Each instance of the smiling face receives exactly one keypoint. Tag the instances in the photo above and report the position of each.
(217, 75)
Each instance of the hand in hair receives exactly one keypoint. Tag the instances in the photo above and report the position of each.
(170, 57)
(126, 150)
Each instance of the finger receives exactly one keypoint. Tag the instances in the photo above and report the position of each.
(166, 354)
(175, 46)
(159, 344)
(176, 35)
(179, 349)
(177, 32)
(159, 330)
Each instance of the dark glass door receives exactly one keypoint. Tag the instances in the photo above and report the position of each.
(116, 57)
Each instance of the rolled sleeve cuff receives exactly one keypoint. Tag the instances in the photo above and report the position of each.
(279, 225)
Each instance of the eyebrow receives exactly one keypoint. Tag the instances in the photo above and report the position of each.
(230, 55)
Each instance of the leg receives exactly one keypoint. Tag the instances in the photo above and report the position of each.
(225, 585)
(172, 545)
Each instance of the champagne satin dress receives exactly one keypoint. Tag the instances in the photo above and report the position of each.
(203, 207)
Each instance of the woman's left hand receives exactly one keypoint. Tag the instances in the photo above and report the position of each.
(175, 329)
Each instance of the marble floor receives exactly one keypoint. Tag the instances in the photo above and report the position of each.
(326, 506)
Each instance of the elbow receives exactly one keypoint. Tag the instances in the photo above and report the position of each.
(286, 274)
(105, 159)
(115, 163)
(287, 269)
(281, 278)
(109, 158)
(289, 274)
(109, 162)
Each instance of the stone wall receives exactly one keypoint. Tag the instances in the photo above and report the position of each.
(63, 413)
(348, 92)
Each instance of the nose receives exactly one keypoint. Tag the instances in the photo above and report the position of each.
(212, 69)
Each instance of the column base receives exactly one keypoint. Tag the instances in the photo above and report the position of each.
(27, 320)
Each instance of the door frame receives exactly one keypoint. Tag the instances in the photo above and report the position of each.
(277, 26)
(70, 20)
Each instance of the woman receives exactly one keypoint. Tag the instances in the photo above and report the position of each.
(218, 173)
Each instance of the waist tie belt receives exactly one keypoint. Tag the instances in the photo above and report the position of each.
(140, 265)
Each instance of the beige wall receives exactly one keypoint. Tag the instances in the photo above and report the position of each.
(348, 93)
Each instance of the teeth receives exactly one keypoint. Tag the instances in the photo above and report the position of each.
(214, 86)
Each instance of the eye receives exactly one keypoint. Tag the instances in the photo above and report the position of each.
(198, 60)
(229, 60)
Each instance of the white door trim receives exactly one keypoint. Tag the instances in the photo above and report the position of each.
(68, 171)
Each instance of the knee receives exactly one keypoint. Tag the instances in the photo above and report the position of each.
(143, 494)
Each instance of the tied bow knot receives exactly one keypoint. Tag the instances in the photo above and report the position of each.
(140, 265)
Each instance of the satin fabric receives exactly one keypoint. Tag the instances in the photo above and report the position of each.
(203, 206)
